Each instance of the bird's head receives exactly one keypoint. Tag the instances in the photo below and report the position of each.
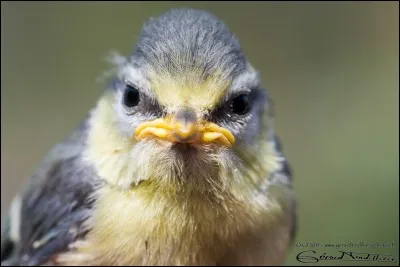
(185, 111)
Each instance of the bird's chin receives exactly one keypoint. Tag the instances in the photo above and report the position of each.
(188, 167)
(185, 148)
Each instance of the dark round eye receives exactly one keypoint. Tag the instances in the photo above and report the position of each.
(240, 104)
(131, 96)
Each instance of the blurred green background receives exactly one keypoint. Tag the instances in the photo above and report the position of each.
(331, 69)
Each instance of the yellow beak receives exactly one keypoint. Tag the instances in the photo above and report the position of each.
(180, 130)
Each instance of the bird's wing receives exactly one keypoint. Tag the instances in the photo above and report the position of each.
(50, 213)
(6, 244)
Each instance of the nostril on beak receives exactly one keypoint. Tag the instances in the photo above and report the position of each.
(185, 121)
(186, 116)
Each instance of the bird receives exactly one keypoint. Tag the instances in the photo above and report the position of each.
(177, 163)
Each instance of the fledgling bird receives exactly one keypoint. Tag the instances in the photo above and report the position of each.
(178, 164)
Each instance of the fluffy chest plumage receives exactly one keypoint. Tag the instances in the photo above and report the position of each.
(140, 228)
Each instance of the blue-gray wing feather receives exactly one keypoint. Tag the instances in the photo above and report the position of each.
(54, 206)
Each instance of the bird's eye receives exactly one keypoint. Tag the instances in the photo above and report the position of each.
(131, 96)
(240, 104)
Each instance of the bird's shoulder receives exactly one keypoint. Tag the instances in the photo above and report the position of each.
(50, 211)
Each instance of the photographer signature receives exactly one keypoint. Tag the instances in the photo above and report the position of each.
(310, 256)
